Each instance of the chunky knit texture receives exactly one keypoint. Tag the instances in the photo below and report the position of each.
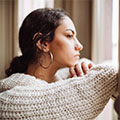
(23, 97)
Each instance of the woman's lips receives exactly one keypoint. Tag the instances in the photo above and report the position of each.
(77, 55)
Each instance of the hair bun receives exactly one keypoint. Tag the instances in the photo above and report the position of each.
(16, 66)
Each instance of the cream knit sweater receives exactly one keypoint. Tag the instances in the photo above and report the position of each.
(23, 97)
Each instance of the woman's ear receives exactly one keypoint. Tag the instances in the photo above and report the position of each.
(43, 46)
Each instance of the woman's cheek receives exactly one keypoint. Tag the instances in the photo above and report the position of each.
(71, 60)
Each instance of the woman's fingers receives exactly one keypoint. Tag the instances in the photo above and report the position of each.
(78, 70)
(84, 67)
(72, 71)
(90, 65)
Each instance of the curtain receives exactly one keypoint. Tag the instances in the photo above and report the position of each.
(8, 33)
(102, 45)
(102, 31)
(119, 50)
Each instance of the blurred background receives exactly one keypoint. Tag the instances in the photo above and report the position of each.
(96, 22)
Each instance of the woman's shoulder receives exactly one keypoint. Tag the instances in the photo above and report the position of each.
(19, 79)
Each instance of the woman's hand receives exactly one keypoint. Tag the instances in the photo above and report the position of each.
(80, 69)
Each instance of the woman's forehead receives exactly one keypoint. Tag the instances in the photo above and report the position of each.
(66, 24)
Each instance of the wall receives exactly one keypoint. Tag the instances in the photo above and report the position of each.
(81, 13)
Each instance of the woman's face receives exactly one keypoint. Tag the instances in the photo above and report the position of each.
(65, 46)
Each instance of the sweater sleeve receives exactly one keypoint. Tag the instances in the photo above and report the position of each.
(80, 98)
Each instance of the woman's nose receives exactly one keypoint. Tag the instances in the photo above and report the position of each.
(78, 46)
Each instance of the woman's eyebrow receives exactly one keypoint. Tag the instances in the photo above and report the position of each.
(73, 32)
(70, 30)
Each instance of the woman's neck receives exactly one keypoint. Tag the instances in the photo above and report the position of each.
(41, 73)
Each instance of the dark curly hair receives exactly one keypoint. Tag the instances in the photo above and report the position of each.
(43, 21)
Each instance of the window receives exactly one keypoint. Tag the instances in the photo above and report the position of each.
(105, 41)
(115, 25)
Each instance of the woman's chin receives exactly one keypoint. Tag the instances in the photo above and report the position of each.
(76, 62)
(72, 64)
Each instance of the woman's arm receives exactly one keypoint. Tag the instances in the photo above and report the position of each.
(80, 98)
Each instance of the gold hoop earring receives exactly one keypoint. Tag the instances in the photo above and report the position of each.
(51, 60)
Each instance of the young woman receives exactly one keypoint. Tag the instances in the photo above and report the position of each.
(48, 42)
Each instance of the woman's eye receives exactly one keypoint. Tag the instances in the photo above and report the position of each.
(69, 36)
